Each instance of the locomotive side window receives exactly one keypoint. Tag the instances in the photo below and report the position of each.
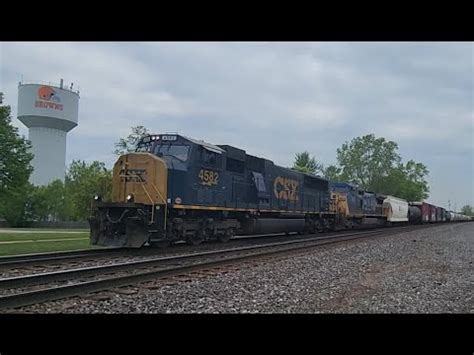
(235, 165)
(208, 158)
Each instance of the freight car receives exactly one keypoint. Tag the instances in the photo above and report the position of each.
(457, 217)
(178, 188)
(420, 212)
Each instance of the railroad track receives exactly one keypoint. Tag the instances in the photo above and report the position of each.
(26, 260)
(32, 289)
(22, 260)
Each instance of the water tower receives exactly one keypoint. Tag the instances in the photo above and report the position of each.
(49, 112)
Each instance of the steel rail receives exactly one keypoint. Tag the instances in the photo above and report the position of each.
(9, 261)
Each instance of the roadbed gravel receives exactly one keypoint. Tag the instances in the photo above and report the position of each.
(425, 271)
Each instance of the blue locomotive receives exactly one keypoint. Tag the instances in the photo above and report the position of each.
(178, 188)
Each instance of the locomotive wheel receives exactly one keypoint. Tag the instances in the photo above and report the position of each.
(195, 239)
(225, 237)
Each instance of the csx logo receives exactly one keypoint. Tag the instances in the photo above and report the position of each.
(134, 175)
(285, 188)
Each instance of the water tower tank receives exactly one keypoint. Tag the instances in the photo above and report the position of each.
(49, 112)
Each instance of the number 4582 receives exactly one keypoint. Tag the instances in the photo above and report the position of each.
(209, 177)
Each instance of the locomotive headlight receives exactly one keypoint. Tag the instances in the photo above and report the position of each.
(97, 198)
(130, 198)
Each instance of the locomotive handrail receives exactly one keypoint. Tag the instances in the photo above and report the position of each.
(164, 201)
(140, 180)
(152, 203)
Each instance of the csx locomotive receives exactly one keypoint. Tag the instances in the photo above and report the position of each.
(177, 188)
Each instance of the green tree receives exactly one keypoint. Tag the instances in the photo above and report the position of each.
(83, 181)
(367, 159)
(125, 145)
(405, 181)
(332, 173)
(373, 164)
(15, 169)
(306, 164)
(467, 210)
(50, 203)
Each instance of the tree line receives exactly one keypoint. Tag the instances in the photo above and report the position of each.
(20, 201)
(371, 163)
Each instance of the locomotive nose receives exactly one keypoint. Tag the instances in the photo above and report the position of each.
(141, 175)
(139, 189)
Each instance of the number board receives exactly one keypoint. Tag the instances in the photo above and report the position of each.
(168, 138)
(208, 177)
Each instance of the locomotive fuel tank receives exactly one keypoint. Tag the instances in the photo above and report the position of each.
(272, 225)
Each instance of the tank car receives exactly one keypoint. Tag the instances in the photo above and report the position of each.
(457, 217)
(415, 215)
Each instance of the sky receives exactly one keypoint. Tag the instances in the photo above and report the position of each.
(272, 99)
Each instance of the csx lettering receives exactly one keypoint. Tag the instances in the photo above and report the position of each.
(208, 177)
(134, 175)
(285, 188)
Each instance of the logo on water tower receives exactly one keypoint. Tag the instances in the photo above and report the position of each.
(48, 98)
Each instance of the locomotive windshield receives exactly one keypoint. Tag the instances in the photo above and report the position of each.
(144, 147)
(163, 148)
(177, 151)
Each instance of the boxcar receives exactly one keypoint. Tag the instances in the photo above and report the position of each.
(443, 214)
(439, 214)
(432, 213)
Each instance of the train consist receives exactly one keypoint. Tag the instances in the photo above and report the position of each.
(176, 188)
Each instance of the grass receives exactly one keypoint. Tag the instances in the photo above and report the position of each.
(6, 230)
(41, 244)
(30, 248)
(40, 236)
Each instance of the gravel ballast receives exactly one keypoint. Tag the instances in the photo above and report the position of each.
(424, 271)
